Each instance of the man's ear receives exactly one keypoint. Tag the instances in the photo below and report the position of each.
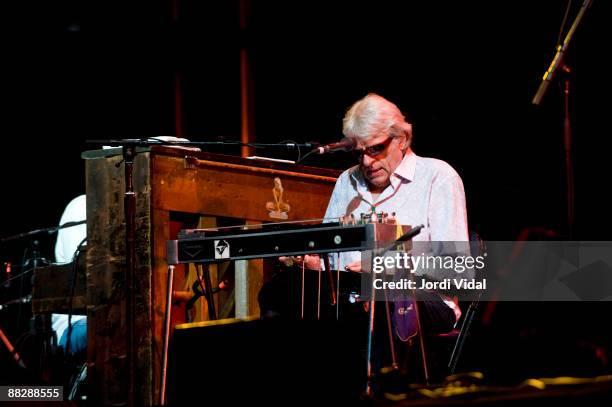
(404, 142)
(407, 136)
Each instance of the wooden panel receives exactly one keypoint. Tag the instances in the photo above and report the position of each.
(167, 183)
(51, 289)
(235, 191)
(105, 268)
(255, 282)
(106, 282)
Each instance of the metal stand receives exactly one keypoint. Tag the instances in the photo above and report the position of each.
(394, 364)
(166, 339)
(333, 298)
(421, 341)
(371, 311)
(11, 349)
(465, 327)
(369, 371)
(337, 286)
(41, 324)
(319, 294)
(567, 144)
(302, 293)
(207, 291)
(556, 64)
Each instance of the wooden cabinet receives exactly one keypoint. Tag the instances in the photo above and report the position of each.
(175, 188)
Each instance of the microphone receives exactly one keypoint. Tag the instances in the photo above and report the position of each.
(346, 144)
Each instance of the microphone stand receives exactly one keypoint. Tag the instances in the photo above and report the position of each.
(157, 142)
(50, 230)
(40, 324)
(557, 64)
(567, 147)
(11, 349)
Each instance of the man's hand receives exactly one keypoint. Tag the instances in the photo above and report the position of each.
(354, 266)
(313, 262)
(310, 261)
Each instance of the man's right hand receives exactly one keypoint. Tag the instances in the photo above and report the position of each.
(354, 266)
(309, 261)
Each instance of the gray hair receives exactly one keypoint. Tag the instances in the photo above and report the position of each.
(373, 115)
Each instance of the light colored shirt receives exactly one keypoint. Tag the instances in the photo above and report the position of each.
(422, 191)
(68, 239)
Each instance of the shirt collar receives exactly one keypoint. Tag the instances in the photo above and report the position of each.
(404, 171)
(407, 167)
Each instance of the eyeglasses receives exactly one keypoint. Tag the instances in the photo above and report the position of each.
(373, 151)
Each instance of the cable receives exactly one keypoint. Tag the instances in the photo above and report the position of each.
(22, 274)
(75, 263)
(296, 144)
(23, 260)
(306, 155)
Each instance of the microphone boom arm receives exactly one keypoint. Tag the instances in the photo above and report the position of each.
(559, 56)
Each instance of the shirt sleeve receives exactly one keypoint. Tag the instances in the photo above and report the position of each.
(68, 239)
(448, 228)
(334, 207)
(447, 211)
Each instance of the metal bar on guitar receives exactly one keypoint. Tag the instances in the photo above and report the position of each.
(319, 296)
(212, 247)
(302, 295)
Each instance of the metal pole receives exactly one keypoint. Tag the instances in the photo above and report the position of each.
(129, 153)
(167, 320)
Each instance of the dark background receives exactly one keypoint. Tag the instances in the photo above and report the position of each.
(463, 72)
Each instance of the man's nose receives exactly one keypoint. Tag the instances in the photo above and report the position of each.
(367, 160)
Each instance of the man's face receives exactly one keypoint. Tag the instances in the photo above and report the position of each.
(381, 155)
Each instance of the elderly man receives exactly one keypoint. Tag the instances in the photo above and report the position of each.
(391, 178)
